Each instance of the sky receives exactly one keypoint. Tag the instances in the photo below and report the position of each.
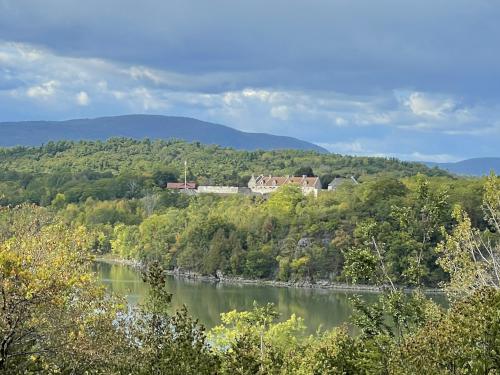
(416, 80)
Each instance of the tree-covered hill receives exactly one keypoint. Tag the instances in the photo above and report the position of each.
(116, 189)
(69, 162)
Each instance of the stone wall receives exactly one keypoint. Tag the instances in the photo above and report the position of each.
(224, 190)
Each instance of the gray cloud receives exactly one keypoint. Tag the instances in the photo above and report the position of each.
(446, 46)
(408, 79)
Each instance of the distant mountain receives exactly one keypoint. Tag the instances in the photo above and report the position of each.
(471, 167)
(34, 133)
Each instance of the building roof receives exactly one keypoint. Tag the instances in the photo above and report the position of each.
(337, 181)
(181, 185)
(280, 180)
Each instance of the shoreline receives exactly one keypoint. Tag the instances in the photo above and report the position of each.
(320, 284)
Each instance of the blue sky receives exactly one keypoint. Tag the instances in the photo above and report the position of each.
(417, 80)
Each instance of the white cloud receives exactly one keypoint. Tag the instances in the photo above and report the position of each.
(438, 158)
(42, 91)
(423, 105)
(147, 99)
(280, 112)
(82, 98)
(340, 121)
(253, 109)
(140, 72)
(229, 98)
(4, 58)
(354, 147)
(27, 52)
(363, 148)
(262, 95)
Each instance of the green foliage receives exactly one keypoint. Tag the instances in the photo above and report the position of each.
(304, 171)
(396, 228)
(284, 201)
(164, 343)
(360, 265)
(334, 352)
(465, 340)
(54, 313)
(115, 189)
(470, 256)
(287, 237)
(254, 342)
(125, 168)
(55, 318)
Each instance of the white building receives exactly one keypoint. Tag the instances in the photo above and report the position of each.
(267, 184)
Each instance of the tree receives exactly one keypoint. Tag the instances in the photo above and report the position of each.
(471, 257)
(464, 340)
(253, 341)
(158, 233)
(53, 312)
(164, 343)
(304, 171)
(126, 242)
(422, 221)
(333, 352)
(150, 202)
(284, 200)
(217, 255)
(360, 265)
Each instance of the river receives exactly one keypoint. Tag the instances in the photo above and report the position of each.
(320, 308)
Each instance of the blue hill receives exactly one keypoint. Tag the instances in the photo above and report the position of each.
(34, 133)
(471, 167)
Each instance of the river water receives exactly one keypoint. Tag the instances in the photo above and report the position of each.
(320, 308)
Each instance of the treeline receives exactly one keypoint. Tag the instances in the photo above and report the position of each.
(56, 318)
(125, 168)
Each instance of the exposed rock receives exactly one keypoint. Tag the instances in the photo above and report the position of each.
(304, 242)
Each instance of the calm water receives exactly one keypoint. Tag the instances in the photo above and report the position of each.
(205, 300)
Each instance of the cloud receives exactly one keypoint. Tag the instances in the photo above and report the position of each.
(340, 121)
(353, 147)
(438, 158)
(280, 112)
(140, 73)
(42, 91)
(37, 83)
(422, 105)
(329, 45)
(82, 98)
(362, 148)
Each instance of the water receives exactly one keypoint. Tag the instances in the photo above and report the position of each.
(323, 309)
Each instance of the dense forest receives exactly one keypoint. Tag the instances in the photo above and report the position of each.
(115, 189)
(56, 318)
(402, 225)
(125, 168)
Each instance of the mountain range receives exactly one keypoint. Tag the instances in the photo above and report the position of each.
(34, 133)
(470, 167)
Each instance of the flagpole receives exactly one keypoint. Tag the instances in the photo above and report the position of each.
(185, 174)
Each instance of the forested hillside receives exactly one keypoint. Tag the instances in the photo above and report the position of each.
(125, 168)
(116, 189)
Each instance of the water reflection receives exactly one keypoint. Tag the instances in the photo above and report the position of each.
(205, 301)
